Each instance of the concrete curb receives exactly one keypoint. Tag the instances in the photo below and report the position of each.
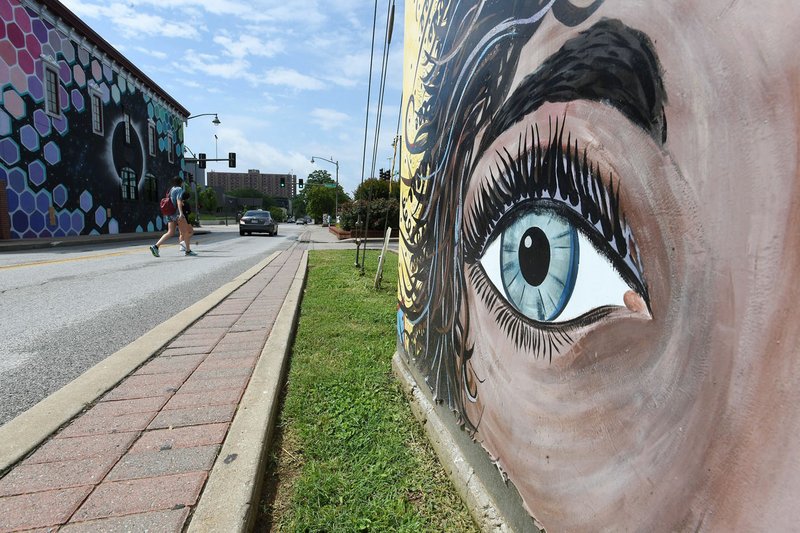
(22, 434)
(18, 245)
(477, 498)
(230, 498)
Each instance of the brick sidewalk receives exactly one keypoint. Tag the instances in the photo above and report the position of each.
(138, 459)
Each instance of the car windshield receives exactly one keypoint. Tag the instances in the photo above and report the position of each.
(256, 214)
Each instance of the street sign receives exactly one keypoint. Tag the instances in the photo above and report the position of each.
(330, 185)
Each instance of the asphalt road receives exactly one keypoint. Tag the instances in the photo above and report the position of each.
(63, 310)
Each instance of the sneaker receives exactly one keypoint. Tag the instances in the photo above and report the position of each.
(190, 252)
(154, 250)
(183, 246)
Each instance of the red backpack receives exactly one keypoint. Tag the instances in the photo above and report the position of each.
(167, 207)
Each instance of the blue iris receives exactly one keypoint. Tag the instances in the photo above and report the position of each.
(539, 263)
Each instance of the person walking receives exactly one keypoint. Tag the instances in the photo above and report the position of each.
(178, 219)
(187, 210)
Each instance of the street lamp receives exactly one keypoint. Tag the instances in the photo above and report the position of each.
(215, 122)
(336, 202)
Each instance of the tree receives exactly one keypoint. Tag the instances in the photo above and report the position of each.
(379, 211)
(319, 176)
(278, 213)
(320, 200)
(374, 189)
(299, 205)
(318, 197)
(207, 199)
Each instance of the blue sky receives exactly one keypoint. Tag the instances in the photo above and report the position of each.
(288, 78)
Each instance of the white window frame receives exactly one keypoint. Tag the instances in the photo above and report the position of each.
(170, 148)
(51, 93)
(129, 186)
(96, 101)
(152, 140)
(126, 118)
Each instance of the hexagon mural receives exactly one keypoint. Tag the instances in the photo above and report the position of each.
(60, 195)
(86, 201)
(37, 172)
(56, 160)
(29, 137)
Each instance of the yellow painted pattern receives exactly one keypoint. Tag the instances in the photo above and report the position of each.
(421, 17)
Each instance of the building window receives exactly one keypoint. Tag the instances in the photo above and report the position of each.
(150, 188)
(151, 137)
(170, 148)
(52, 104)
(97, 114)
(128, 184)
(127, 118)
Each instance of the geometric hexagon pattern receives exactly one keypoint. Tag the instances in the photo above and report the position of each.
(9, 151)
(60, 195)
(37, 173)
(41, 122)
(43, 202)
(27, 202)
(100, 216)
(29, 137)
(16, 180)
(86, 201)
(51, 153)
(31, 160)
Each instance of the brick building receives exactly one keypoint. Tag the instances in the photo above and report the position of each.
(269, 184)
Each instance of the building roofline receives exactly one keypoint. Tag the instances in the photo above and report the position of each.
(71, 19)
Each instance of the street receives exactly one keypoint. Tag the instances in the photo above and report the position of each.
(63, 310)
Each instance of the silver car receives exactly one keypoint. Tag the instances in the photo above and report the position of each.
(257, 221)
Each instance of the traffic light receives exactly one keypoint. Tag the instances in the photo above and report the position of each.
(190, 177)
(283, 182)
(385, 175)
(300, 183)
(232, 159)
(201, 160)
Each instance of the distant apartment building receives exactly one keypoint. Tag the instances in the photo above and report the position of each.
(269, 184)
(88, 142)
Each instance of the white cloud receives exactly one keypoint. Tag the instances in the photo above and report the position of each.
(249, 45)
(328, 119)
(265, 156)
(134, 22)
(152, 53)
(291, 78)
(209, 65)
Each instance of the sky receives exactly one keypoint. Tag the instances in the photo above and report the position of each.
(287, 78)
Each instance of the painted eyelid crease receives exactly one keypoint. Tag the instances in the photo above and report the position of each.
(560, 175)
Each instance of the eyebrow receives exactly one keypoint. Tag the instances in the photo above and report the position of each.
(609, 63)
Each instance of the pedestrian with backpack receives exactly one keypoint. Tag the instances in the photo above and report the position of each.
(187, 210)
(172, 209)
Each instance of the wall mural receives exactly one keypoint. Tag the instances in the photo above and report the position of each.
(599, 256)
(61, 177)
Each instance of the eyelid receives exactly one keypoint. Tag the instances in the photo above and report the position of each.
(560, 173)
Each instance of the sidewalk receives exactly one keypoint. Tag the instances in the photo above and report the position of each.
(169, 433)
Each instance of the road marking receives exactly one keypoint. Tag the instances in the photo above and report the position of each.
(81, 258)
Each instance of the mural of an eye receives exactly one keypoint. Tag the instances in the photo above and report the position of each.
(547, 269)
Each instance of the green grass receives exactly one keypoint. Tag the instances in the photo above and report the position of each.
(349, 455)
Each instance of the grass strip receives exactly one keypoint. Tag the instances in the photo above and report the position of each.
(349, 454)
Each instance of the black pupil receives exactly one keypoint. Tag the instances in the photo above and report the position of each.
(534, 256)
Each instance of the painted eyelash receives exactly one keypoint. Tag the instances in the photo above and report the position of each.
(541, 340)
(557, 172)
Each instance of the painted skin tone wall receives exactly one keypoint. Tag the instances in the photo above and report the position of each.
(675, 409)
